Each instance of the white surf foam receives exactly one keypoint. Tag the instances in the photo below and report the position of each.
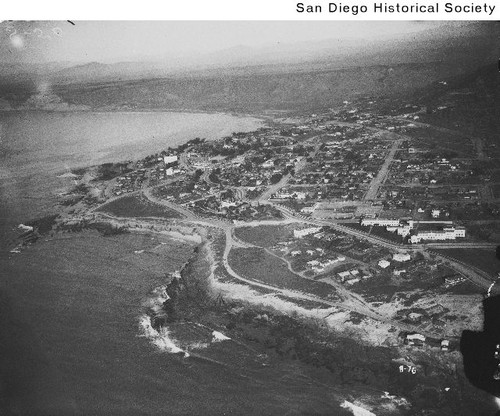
(157, 299)
(25, 227)
(161, 339)
(356, 410)
(219, 336)
(68, 175)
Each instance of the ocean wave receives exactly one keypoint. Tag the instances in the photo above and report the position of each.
(219, 336)
(68, 175)
(25, 227)
(152, 326)
(356, 410)
(158, 297)
(161, 338)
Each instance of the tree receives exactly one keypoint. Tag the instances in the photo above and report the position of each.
(276, 178)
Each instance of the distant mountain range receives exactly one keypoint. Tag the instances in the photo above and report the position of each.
(279, 76)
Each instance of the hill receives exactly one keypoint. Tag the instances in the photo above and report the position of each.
(261, 91)
(291, 77)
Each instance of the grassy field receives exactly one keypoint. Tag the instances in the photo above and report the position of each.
(136, 206)
(257, 264)
(482, 259)
(263, 235)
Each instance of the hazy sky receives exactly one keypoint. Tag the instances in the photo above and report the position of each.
(117, 40)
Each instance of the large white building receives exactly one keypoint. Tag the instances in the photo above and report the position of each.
(382, 222)
(448, 233)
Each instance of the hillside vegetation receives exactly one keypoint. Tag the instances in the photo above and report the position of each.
(260, 92)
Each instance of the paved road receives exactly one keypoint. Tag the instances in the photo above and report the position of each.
(379, 180)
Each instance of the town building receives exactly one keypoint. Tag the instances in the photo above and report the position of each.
(415, 339)
(170, 159)
(447, 233)
(401, 257)
(382, 222)
(384, 264)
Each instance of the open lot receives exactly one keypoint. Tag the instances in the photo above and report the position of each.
(136, 206)
(264, 235)
(480, 258)
(257, 264)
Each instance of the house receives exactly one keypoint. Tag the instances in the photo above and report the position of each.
(384, 264)
(170, 159)
(414, 316)
(309, 210)
(435, 213)
(445, 345)
(268, 164)
(415, 339)
(344, 275)
(401, 257)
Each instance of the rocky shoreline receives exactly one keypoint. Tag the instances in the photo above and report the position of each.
(278, 337)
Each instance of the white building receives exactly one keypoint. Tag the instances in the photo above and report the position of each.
(309, 210)
(384, 264)
(448, 233)
(380, 222)
(228, 204)
(412, 338)
(401, 257)
(170, 159)
(344, 275)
